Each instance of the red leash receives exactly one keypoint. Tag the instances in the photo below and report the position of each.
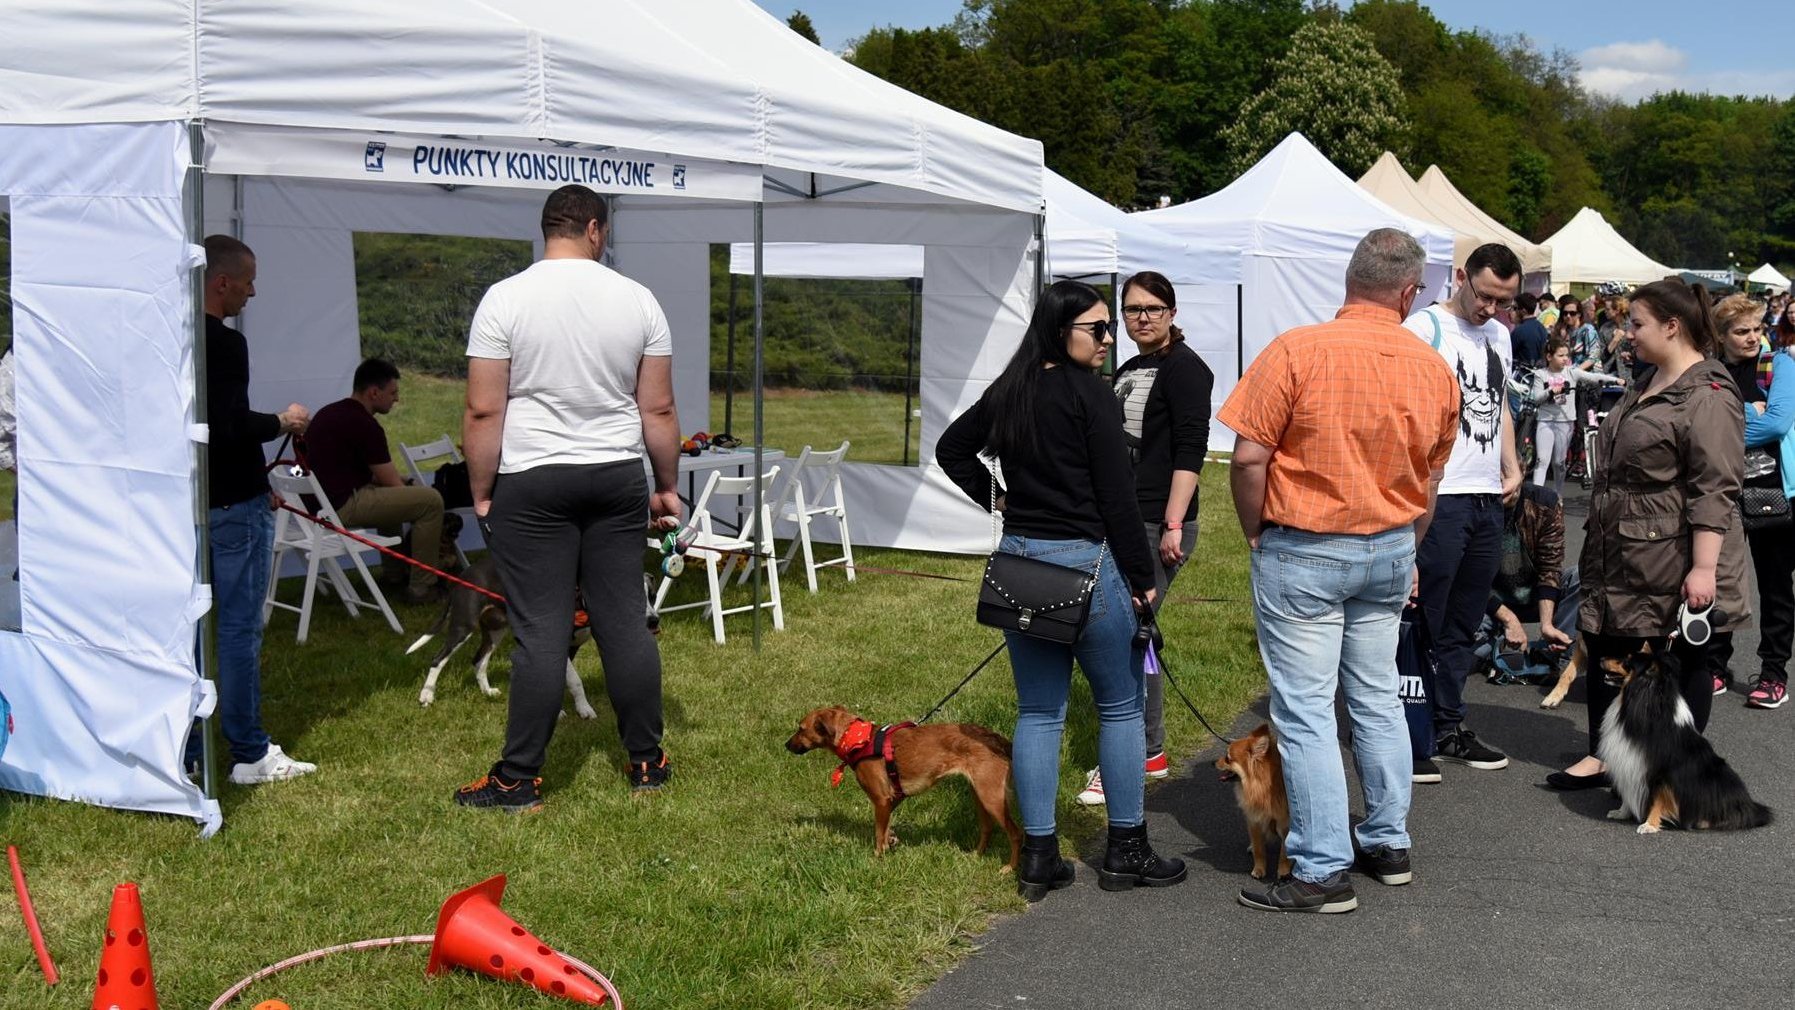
(389, 552)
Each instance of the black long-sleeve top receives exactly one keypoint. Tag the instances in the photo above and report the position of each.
(1080, 485)
(236, 470)
(1172, 425)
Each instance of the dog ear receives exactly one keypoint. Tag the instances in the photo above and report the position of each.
(830, 723)
(1261, 738)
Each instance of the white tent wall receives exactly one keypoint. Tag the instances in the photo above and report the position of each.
(101, 675)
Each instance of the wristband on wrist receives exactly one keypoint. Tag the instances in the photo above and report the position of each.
(1174, 526)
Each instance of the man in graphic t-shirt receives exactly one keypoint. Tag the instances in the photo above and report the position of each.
(1462, 551)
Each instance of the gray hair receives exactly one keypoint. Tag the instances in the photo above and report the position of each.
(1386, 261)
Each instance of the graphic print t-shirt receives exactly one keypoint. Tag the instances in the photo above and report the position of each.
(1479, 357)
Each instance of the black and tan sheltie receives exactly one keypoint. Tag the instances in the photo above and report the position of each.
(1661, 768)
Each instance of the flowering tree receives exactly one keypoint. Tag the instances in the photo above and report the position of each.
(1334, 88)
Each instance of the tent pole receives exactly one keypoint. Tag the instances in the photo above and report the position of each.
(915, 285)
(760, 430)
(1240, 333)
(729, 367)
(1040, 258)
(207, 657)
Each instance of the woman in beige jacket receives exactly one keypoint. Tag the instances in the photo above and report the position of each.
(1664, 514)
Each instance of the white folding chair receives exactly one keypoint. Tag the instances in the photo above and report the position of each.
(717, 552)
(441, 451)
(323, 551)
(792, 505)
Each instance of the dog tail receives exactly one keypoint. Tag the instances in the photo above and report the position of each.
(1746, 813)
(436, 628)
(996, 741)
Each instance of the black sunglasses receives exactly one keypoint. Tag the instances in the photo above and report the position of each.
(1099, 328)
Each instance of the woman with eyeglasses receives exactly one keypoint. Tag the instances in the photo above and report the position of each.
(1164, 391)
(1068, 498)
(1769, 410)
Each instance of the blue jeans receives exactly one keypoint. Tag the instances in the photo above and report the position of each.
(242, 537)
(1111, 665)
(1328, 609)
(1458, 561)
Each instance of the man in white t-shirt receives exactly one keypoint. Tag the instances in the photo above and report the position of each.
(569, 380)
(1459, 558)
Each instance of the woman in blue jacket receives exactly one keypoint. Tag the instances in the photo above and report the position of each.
(1770, 425)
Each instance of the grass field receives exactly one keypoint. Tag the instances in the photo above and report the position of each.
(749, 883)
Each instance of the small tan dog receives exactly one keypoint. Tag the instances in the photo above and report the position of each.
(1253, 765)
(903, 760)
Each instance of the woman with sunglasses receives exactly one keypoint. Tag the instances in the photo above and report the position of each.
(1164, 391)
(1068, 498)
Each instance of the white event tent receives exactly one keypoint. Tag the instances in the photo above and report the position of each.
(1268, 252)
(130, 128)
(1536, 257)
(1769, 277)
(1587, 250)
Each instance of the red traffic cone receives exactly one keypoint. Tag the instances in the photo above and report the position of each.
(126, 982)
(473, 933)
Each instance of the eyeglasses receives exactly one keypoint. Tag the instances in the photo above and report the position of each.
(1099, 329)
(1490, 300)
(1150, 312)
(1570, 311)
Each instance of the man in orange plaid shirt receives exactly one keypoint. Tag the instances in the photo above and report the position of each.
(1344, 429)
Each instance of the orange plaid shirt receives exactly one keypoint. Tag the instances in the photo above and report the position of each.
(1358, 413)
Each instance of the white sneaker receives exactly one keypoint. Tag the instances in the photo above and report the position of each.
(275, 766)
(1092, 794)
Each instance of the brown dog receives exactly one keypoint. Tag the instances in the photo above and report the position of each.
(921, 756)
(1567, 676)
(1253, 765)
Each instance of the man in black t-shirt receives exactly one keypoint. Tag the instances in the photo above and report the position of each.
(240, 520)
(347, 451)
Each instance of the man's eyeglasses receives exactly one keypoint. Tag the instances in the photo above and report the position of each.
(1099, 329)
(1490, 300)
(1151, 312)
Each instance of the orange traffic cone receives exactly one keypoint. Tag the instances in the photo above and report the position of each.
(473, 933)
(126, 982)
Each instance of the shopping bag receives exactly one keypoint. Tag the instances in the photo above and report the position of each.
(1415, 675)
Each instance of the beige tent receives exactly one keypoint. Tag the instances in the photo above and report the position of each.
(1590, 251)
(1390, 182)
(1536, 259)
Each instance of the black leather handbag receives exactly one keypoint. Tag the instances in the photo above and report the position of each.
(1037, 598)
(1762, 503)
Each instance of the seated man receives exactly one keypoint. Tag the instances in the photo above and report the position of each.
(346, 448)
(1531, 585)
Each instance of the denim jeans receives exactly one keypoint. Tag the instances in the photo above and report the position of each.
(242, 538)
(1458, 561)
(1328, 608)
(1043, 670)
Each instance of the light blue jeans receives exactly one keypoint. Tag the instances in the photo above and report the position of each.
(1111, 665)
(1328, 609)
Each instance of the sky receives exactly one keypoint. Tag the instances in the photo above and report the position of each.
(1628, 48)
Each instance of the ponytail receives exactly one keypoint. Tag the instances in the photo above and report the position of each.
(1687, 304)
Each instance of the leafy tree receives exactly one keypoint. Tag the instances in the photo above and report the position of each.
(1336, 89)
(800, 22)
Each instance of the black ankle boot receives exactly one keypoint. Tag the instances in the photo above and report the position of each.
(1130, 861)
(1041, 869)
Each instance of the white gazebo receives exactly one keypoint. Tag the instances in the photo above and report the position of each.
(1587, 250)
(1769, 277)
(125, 137)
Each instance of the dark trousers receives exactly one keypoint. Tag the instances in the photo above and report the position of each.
(1154, 711)
(1458, 563)
(1696, 687)
(1773, 560)
(555, 527)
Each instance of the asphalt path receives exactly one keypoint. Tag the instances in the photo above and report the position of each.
(1522, 897)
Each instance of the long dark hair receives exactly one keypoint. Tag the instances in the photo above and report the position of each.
(1155, 284)
(1010, 402)
(1687, 304)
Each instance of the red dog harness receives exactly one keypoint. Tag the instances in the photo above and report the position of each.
(861, 741)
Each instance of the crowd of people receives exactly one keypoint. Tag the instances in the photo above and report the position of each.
(1377, 467)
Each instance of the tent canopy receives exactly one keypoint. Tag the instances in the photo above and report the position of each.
(1089, 237)
(1769, 277)
(1536, 258)
(1390, 182)
(1587, 250)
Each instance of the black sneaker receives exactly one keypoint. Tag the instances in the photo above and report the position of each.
(494, 791)
(1462, 746)
(1292, 895)
(1386, 864)
(649, 776)
(1427, 771)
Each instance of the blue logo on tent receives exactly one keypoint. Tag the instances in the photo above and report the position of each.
(375, 159)
(679, 177)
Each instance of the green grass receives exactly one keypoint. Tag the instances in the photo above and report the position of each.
(793, 418)
(748, 883)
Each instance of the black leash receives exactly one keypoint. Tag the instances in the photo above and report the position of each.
(975, 672)
(1154, 658)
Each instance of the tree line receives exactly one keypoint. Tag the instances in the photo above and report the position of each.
(1139, 99)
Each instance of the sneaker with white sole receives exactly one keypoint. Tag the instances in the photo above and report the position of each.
(1092, 793)
(1767, 693)
(1462, 747)
(1158, 767)
(275, 766)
